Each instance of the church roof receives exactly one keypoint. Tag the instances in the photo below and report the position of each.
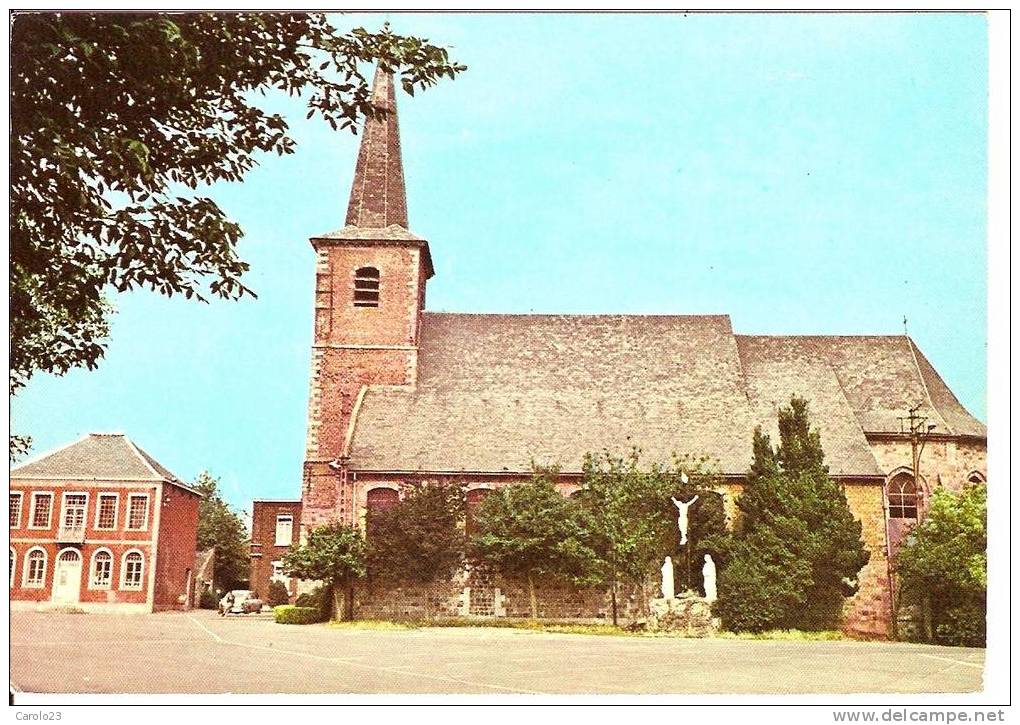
(497, 392)
(98, 456)
(378, 198)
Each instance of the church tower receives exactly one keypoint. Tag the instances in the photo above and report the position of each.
(369, 295)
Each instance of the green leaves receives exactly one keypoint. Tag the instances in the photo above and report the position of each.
(420, 538)
(220, 526)
(333, 553)
(797, 525)
(946, 557)
(527, 529)
(111, 112)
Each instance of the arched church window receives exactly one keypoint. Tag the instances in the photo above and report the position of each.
(366, 287)
(377, 501)
(473, 499)
(975, 477)
(902, 494)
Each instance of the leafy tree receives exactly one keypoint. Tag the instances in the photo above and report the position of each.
(526, 531)
(117, 118)
(944, 564)
(795, 522)
(334, 554)
(221, 527)
(629, 521)
(419, 539)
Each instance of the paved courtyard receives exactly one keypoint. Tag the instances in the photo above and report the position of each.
(199, 652)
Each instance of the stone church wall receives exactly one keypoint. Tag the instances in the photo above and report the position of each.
(478, 593)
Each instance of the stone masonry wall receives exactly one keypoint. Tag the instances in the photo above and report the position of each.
(948, 463)
(869, 612)
(478, 593)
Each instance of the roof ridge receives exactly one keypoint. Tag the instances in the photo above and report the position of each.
(50, 452)
(627, 315)
(144, 460)
(924, 385)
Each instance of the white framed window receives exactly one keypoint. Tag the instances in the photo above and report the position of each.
(106, 511)
(41, 514)
(34, 569)
(72, 515)
(14, 564)
(16, 497)
(284, 529)
(101, 569)
(132, 569)
(138, 512)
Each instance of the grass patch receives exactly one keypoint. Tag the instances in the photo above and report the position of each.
(605, 630)
(532, 625)
(787, 635)
(372, 624)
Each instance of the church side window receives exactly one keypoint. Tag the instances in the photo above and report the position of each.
(902, 494)
(366, 287)
(377, 501)
(474, 500)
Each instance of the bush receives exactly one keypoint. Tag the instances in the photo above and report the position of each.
(963, 626)
(764, 584)
(291, 614)
(319, 598)
(277, 594)
(208, 600)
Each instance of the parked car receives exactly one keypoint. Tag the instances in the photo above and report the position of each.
(240, 601)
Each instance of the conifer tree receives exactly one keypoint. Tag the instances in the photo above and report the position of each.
(799, 549)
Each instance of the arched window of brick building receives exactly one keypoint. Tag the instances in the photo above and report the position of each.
(366, 287)
(474, 499)
(975, 477)
(377, 501)
(902, 494)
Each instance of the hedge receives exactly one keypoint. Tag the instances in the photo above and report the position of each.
(290, 614)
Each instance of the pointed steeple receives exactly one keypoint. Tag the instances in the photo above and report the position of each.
(378, 198)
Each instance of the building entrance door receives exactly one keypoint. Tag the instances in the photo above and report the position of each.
(67, 577)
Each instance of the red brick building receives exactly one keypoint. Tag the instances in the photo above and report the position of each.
(400, 394)
(275, 525)
(101, 524)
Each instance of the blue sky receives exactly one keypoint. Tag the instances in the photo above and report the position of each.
(820, 174)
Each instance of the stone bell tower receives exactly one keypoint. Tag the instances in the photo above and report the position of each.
(369, 295)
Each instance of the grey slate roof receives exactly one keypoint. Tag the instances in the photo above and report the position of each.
(496, 392)
(100, 456)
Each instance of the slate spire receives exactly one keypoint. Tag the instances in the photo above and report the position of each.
(378, 199)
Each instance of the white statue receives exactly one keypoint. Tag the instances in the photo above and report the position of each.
(708, 577)
(682, 508)
(668, 591)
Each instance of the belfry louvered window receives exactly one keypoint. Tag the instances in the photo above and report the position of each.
(366, 287)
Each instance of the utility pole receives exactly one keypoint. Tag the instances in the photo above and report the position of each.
(920, 430)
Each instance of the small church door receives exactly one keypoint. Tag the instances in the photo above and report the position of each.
(67, 577)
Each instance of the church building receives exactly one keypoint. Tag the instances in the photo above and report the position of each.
(401, 394)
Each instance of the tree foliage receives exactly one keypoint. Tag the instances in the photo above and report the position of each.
(118, 119)
(334, 554)
(420, 539)
(526, 531)
(221, 527)
(945, 561)
(628, 521)
(798, 550)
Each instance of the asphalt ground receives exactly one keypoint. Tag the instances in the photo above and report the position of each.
(200, 652)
